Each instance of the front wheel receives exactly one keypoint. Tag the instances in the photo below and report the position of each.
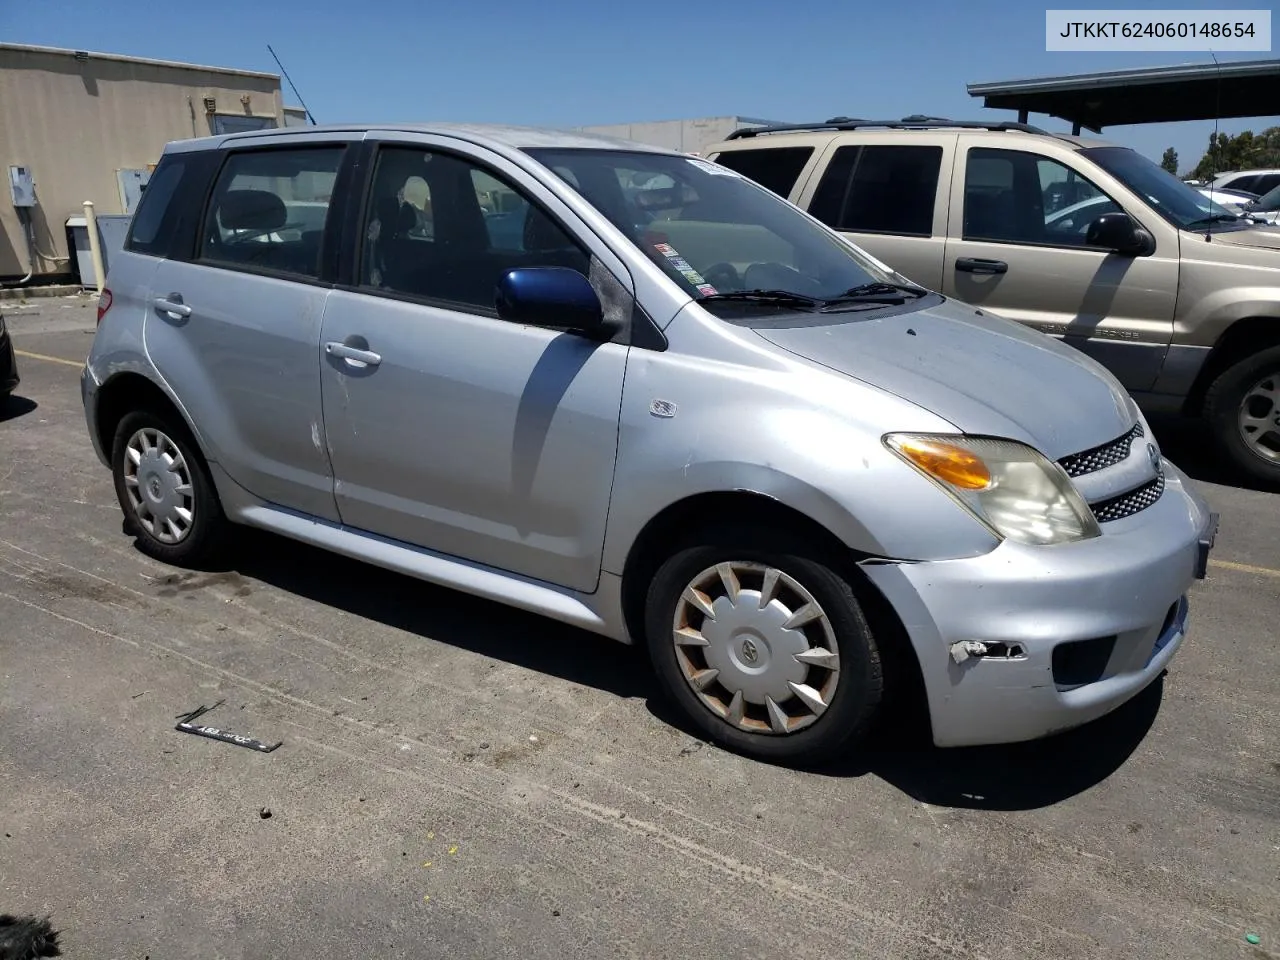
(1243, 409)
(764, 648)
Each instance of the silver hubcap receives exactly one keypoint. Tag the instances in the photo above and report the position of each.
(1260, 418)
(158, 482)
(756, 647)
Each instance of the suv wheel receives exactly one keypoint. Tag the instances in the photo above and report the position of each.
(1243, 407)
(169, 502)
(764, 648)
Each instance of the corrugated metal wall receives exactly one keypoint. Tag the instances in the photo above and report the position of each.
(76, 123)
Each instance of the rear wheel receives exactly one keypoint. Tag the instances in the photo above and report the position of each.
(164, 489)
(763, 647)
(1243, 408)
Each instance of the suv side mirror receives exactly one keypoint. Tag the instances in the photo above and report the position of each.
(549, 297)
(1118, 232)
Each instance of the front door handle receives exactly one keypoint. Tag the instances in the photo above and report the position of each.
(352, 354)
(979, 265)
(172, 305)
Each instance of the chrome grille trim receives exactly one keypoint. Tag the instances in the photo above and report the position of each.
(1127, 504)
(1101, 457)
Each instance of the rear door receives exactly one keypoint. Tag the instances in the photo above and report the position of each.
(1016, 245)
(889, 195)
(234, 326)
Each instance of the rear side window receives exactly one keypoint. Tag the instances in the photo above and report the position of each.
(776, 169)
(880, 189)
(268, 210)
(155, 222)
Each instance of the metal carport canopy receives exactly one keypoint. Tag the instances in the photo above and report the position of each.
(1245, 88)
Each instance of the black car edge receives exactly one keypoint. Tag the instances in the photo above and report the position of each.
(8, 362)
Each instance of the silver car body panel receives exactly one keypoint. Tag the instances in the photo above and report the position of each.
(530, 481)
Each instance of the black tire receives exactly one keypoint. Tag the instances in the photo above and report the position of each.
(858, 691)
(1222, 407)
(207, 535)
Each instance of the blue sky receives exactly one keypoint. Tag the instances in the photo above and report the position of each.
(572, 62)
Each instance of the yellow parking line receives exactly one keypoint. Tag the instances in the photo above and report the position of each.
(1244, 568)
(42, 356)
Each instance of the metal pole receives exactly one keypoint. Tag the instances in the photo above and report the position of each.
(1023, 116)
(95, 248)
(1075, 129)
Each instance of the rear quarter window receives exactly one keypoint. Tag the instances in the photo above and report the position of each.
(775, 169)
(156, 222)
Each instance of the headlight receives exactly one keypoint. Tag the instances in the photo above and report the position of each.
(1012, 489)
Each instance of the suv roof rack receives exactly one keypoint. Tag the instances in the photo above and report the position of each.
(913, 122)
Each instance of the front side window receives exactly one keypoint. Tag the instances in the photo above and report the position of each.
(440, 227)
(268, 209)
(709, 229)
(1011, 196)
(880, 189)
(775, 169)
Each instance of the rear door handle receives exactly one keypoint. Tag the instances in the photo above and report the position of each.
(172, 305)
(352, 354)
(979, 265)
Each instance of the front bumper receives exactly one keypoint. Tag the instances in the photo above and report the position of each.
(1129, 584)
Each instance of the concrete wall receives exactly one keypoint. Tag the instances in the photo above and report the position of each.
(74, 124)
(687, 136)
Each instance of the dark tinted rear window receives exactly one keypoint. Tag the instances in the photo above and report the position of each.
(880, 189)
(155, 223)
(776, 169)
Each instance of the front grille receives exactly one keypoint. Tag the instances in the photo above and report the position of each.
(1099, 458)
(1127, 504)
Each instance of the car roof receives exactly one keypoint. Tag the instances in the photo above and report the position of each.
(484, 134)
(764, 140)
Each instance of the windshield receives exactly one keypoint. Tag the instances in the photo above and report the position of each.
(1268, 201)
(714, 232)
(1183, 206)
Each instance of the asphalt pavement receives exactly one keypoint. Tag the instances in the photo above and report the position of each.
(458, 779)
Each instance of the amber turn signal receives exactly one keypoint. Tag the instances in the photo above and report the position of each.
(949, 463)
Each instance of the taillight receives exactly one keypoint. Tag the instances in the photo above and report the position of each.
(104, 303)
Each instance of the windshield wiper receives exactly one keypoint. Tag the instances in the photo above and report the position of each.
(1216, 218)
(783, 298)
(877, 292)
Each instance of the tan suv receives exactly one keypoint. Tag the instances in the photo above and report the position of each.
(1081, 239)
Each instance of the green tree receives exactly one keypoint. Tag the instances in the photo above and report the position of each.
(1248, 151)
(1170, 161)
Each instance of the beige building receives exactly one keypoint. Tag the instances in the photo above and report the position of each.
(80, 126)
(687, 136)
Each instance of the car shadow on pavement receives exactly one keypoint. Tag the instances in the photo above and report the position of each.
(448, 616)
(1014, 777)
(14, 406)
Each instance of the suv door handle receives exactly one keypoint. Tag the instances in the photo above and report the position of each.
(172, 305)
(979, 265)
(352, 354)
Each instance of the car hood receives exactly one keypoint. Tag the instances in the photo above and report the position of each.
(1262, 236)
(982, 373)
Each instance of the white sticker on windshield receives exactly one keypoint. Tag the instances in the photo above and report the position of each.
(706, 166)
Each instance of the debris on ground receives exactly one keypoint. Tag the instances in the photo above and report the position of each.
(27, 937)
(265, 813)
(186, 725)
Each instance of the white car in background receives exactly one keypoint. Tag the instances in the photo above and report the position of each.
(1235, 201)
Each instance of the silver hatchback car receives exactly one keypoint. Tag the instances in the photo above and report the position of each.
(632, 391)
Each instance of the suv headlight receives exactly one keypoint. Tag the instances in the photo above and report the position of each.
(1012, 489)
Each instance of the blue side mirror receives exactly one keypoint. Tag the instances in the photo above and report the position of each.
(549, 297)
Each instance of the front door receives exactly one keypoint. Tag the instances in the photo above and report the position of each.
(451, 429)
(1016, 245)
(236, 330)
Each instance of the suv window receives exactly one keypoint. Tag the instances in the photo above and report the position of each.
(777, 169)
(1011, 196)
(455, 243)
(880, 189)
(154, 224)
(269, 208)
